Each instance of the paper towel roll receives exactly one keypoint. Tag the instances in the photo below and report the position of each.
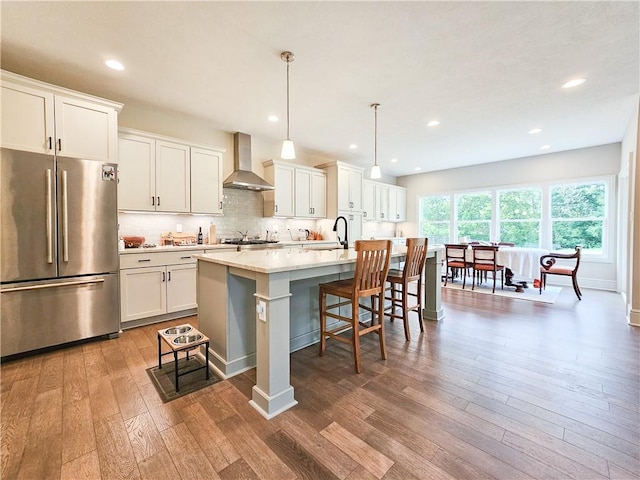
(212, 234)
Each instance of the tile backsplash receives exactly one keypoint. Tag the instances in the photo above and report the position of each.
(243, 211)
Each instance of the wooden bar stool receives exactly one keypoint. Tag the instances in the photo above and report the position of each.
(372, 266)
(399, 281)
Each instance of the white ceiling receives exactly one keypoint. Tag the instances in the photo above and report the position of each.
(488, 71)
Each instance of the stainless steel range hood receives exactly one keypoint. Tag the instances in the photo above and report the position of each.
(242, 176)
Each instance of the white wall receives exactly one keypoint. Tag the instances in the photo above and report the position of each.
(572, 164)
(629, 276)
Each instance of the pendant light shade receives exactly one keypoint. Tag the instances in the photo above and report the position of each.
(375, 170)
(288, 149)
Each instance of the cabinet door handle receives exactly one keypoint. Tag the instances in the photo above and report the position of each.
(153, 201)
(169, 274)
(50, 140)
(144, 260)
(364, 214)
(59, 144)
(158, 201)
(276, 208)
(220, 205)
(163, 276)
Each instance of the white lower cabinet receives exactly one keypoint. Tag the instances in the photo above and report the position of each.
(181, 287)
(143, 293)
(161, 284)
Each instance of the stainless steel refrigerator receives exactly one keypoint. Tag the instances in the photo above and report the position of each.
(58, 250)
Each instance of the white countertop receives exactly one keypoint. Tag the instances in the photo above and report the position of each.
(173, 248)
(217, 246)
(288, 259)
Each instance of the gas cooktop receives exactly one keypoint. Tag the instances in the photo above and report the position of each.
(239, 241)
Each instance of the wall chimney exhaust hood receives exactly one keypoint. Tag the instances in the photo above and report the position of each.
(242, 177)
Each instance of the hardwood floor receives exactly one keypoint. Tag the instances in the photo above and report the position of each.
(500, 388)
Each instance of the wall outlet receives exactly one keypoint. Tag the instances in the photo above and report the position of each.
(261, 310)
(179, 228)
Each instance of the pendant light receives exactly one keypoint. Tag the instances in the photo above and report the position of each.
(375, 170)
(288, 149)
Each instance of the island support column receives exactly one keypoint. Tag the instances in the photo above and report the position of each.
(432, 289)
(273, 392)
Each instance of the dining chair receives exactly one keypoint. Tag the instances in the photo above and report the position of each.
(454, 255)
(569, 269)
(485, 259)
(372, 267)
(400, 280)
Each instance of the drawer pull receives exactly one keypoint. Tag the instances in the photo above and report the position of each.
(144, 260)
(185, 258)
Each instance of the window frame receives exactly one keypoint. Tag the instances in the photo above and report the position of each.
(608, 235)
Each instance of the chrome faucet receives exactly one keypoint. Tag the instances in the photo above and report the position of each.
(344, 243)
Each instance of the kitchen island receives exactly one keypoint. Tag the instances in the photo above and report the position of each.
(257, 306)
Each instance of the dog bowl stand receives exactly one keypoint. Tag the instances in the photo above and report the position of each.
(176, 348)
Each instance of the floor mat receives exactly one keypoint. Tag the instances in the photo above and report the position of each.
(164, 380)
(549, 295)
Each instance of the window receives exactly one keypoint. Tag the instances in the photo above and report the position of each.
(435, 218)
(519, 215)
(473, 213)
(554, 216)
(578, 216)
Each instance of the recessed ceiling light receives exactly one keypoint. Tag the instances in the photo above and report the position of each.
(533, 131)
(272, 118)
(394, 160)
(417, 169)
(353, 146)
(545, 147)
(574, 83)
(116, 65)
(433, 123)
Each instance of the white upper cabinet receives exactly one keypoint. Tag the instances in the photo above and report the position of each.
(344, 187)
(299, 191)
(383, 202)
(173, 177)
(368, 200)
(319, 194)
(153, 176)
(85, 130)
(27, 119)
(397, 204)
(157, 174)
(206, 181)
(42, 118)
(279, 202)
(310, 193)
(136, 173)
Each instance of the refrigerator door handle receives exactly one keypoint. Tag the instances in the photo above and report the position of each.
(52, 285)
(49, 215)
(65, 217)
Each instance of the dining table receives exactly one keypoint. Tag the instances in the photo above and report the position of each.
(524, 262)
